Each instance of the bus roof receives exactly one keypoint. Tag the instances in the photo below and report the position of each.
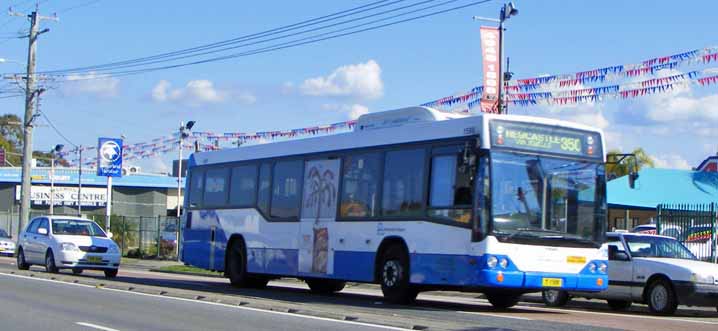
(413, 124)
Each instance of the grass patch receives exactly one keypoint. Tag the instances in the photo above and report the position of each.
(183, 269)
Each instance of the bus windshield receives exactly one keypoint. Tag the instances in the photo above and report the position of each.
(547, 200)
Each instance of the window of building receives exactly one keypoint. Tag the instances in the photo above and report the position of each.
(286, 189)
(196, 187)
(243, 188)
(403, 188)
(360, 185)
(451, 188)
(215, 187)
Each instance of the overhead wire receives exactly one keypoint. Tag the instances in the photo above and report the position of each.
(78, 6)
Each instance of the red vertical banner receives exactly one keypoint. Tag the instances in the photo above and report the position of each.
(491, 57)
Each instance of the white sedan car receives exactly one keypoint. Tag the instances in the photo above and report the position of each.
(7, 245)
(651, 269)
(62, 242)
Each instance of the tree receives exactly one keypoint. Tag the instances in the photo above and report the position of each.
(11, 140)
(615, 170)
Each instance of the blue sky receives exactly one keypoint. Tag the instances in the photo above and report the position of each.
(331, 81)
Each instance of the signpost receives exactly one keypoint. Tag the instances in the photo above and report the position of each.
(109, 156)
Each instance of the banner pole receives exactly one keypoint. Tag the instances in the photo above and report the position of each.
(108, 204)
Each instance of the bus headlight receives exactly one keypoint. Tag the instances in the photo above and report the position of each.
(492, 261)
(602, 267)
(592, 268)
(504, 262)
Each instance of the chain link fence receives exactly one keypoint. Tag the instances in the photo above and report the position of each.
(693, 225)
(145, 237)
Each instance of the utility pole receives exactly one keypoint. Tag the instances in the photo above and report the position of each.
(30, 94)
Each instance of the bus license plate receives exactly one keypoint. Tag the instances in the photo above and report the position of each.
(551, 282)
(94, 259)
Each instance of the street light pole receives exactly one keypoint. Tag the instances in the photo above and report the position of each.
(183, 133)
(56, 150)
(79, 182)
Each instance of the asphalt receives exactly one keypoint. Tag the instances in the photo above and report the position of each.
(363, 303)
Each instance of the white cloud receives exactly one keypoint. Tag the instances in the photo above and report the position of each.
(352, 111)
(93, 84)
(362, 80)
(671, 161)
(197, 93)
(683, 108)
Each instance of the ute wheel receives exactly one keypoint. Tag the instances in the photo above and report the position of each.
(21, 262)
(619, 304)
(503, 300)
(394, 276)
(325, 286)
(661, 298)
(555, 298)
(50, 263)
(76, 271)
(109, 273)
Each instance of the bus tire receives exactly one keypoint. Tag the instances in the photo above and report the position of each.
(394, 276)
(325, 286)
(503, 300)
(237, 264)
(555, 298)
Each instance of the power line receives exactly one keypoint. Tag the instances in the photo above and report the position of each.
(82, 5)
(59, 133)
(291, 44)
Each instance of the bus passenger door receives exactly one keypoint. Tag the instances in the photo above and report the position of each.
(319, 210)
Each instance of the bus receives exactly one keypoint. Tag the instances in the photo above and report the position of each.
(413, 199)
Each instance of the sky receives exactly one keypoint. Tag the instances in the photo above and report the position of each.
(340, 79)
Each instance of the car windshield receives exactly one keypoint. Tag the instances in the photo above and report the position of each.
(71, 227)
(650, 246)
(546, 197)
(3, 234)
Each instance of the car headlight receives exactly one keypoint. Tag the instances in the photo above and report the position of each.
(602, 268)
(113, 249)
(704, 279)
(68, 247)
(492, 261)
(592, 268)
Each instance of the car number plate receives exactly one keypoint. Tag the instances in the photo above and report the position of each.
(94, 258)
(551, 282)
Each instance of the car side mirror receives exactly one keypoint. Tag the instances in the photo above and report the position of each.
(615, 255)
(109, 235)
(42, 231)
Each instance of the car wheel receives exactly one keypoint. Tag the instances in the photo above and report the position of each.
(503, 300)
(619, 304)
(76, 271)
(111, 273)
(661, 298)
(21, 262)
(325, 286)
(50, 263)
(555, 298)
(394, 276)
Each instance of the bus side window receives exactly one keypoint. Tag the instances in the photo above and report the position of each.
(243, 187)
(264, 188)
(286, 189)
(215, 187)
(451, 188)
(403, 190)
(360, 185)
(196, 188)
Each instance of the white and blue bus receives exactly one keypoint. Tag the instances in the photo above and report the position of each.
(413, 199)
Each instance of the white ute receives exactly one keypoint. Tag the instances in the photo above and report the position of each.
(651, 269)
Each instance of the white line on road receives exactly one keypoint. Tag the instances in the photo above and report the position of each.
(375, 326)
(495, 315)
(95, 326)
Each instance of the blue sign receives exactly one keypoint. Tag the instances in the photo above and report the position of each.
(109, 157)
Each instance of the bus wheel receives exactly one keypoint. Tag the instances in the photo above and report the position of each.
(555, 298)
(503, 300)
(394, 276)
(237, 265)
(619, 304)
(325, 286)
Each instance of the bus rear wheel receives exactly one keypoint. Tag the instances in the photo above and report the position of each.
(394, 276)
(236, 268)
(325, 286)
(503, 300)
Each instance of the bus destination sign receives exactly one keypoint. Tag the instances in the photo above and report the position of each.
(544, 138)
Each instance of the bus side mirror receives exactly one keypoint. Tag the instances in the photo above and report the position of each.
(615, 255)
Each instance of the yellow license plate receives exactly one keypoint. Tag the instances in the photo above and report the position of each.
(94, 259)
(1, 249)
(551, 282)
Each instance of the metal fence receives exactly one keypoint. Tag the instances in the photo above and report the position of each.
(693, 225)
(145, 237)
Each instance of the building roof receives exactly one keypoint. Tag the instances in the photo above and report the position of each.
(657, 186)
(65, 177)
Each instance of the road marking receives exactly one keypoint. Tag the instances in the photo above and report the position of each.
(495, 315)
(671, 319)
(375, 326)
(95, 326)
